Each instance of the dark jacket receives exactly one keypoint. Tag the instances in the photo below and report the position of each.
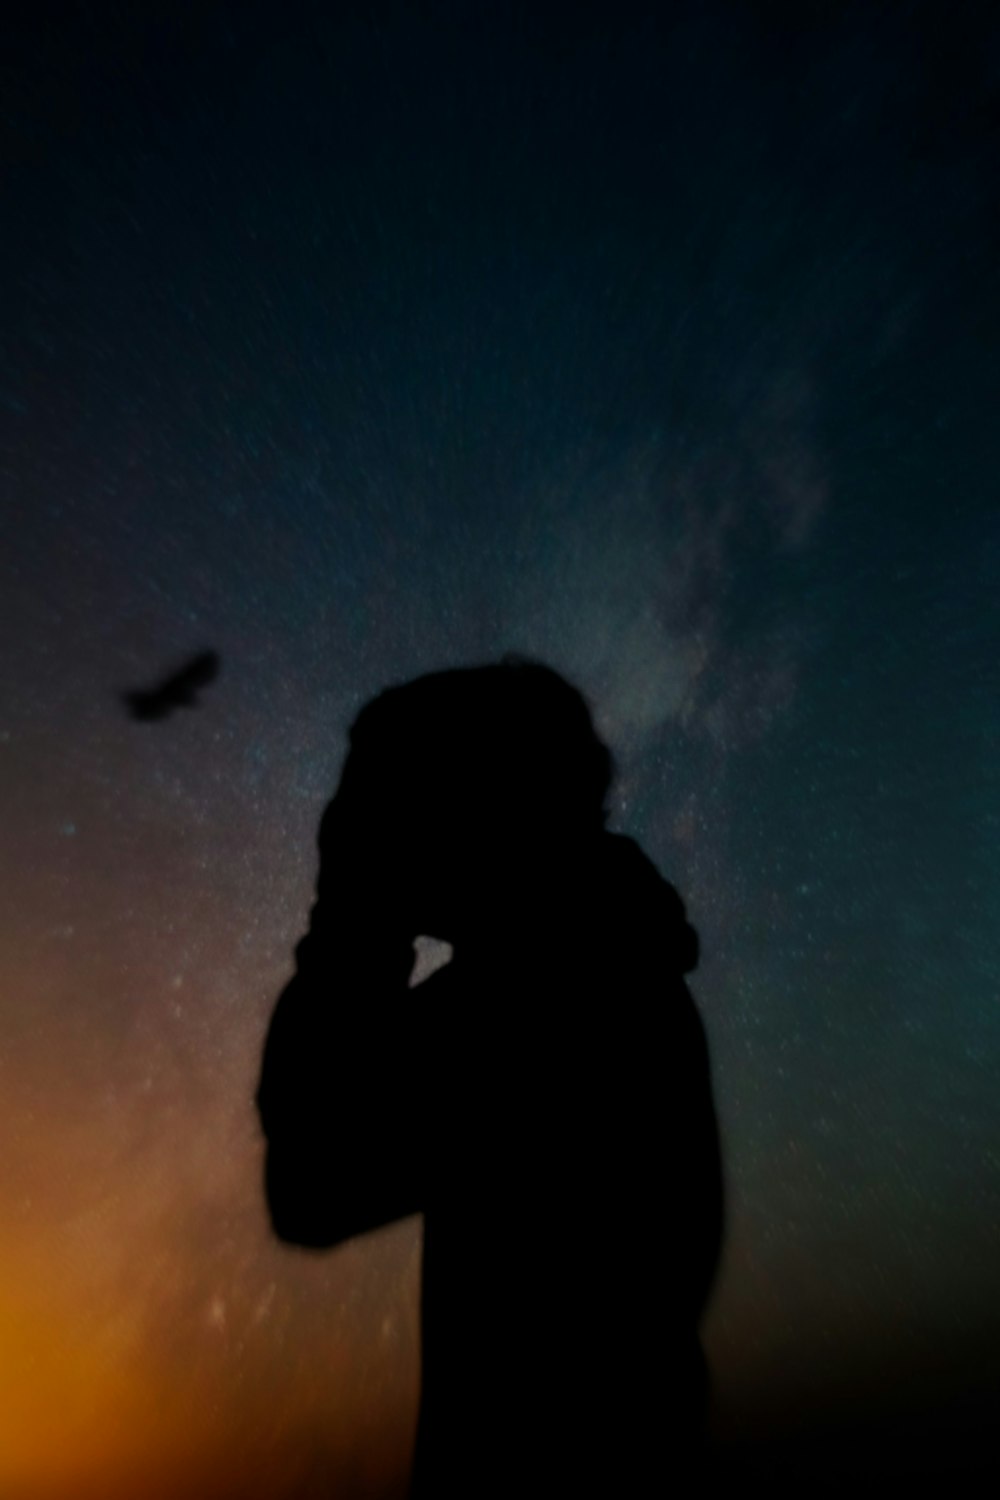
(546, 1104)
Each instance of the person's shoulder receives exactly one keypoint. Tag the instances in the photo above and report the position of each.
(644, 899)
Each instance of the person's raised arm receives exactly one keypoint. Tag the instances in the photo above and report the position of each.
(337, 1079)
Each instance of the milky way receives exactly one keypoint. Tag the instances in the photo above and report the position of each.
(665, 350)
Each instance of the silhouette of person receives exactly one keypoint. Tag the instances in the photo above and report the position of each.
(544, 1099)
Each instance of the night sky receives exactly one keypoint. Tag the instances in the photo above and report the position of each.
(660, 342)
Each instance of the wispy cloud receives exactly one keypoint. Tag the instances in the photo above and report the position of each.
(636, 600)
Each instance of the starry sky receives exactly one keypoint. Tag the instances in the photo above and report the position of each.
(661, 342)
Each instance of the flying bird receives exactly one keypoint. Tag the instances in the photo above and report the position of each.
(179, 690)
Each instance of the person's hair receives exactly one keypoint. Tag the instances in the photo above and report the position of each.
(512, 736)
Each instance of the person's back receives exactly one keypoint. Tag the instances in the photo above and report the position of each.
(573, 1213)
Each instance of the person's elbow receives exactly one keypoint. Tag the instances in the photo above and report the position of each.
(294, 1208)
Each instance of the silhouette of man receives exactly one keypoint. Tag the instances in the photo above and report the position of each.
(544, 1099)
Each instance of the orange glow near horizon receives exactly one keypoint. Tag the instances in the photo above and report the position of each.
(92, 1407)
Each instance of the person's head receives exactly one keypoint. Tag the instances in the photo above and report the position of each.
(475, 778)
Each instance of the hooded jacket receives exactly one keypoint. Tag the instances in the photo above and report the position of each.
(545, 1102)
